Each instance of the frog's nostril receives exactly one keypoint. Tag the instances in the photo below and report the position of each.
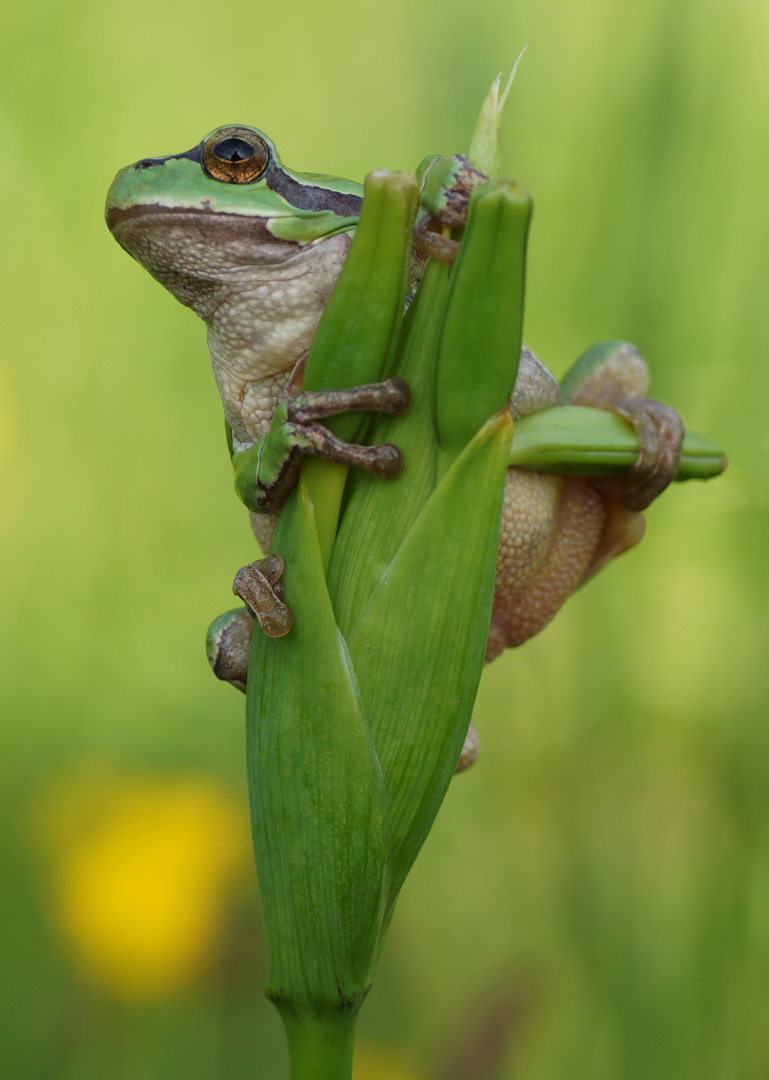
(147, 163)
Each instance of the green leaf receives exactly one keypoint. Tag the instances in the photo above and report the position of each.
(316, 794)
(378, 514)
(418, 646)
(484, 145)
(481, 339)
(357, 337)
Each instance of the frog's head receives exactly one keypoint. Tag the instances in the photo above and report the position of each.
(197, 219)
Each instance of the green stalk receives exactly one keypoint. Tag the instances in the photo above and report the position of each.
(481, 335)
(325, 482)
(356, 718)
(378, 516)
(319, 1048)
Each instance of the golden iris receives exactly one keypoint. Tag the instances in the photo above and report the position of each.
(235, 155)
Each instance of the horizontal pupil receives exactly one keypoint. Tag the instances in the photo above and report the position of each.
(233, 150)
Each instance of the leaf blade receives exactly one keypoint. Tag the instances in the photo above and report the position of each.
(428, 621)
(320, 841)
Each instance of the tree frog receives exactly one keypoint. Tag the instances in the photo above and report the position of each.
(255, 249)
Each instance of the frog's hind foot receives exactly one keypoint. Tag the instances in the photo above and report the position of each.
(392, 397)
(614, 376)
(660, 432)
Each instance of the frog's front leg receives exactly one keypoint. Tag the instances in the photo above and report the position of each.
(266, 471)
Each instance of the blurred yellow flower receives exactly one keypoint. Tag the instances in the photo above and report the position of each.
(142, 869)
(375, 1062)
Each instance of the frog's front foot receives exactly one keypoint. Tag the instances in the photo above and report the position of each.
(392, 397)
(445, 189)
(266, 473)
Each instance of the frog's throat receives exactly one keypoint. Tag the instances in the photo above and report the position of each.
(168, 240)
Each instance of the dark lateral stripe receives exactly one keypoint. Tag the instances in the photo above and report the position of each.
(302, 196)
(195, 154)
(308, 197)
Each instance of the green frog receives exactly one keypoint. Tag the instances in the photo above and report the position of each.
(255, 249)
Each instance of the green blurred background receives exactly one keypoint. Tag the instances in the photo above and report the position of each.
(594, 899)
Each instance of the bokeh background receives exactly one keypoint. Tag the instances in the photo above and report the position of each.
(594, 899)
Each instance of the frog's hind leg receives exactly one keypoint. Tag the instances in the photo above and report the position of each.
(228, 647)
(551, 527)
(614, 376)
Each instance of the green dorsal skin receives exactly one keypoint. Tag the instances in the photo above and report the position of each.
(325, 204)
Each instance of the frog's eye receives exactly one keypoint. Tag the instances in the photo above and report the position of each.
(235, 156)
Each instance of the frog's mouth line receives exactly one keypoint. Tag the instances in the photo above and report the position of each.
(116, 215)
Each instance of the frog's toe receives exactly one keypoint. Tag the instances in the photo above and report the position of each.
(315, 440)
(391, 396)
(258, 586)
(615, 376)
(660, 433)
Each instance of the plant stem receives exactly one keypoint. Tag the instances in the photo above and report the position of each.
(319, 1048)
